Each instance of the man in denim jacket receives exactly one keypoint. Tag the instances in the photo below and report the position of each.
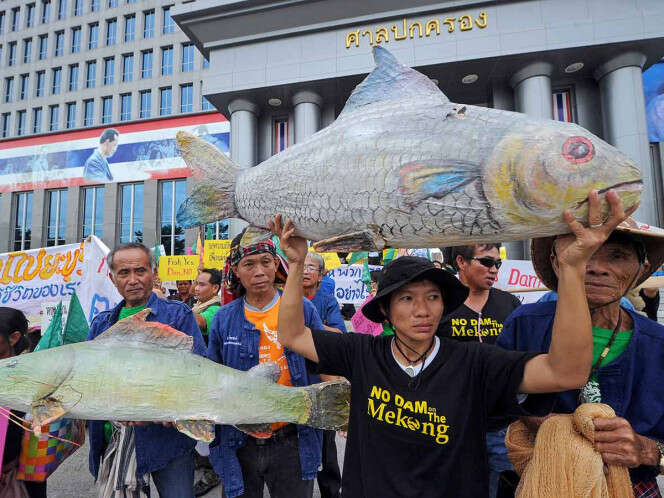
(162, 451)
(242, 334)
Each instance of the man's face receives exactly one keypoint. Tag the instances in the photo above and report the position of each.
(107, 149)
(312, 275)
(257, 272)
(610, 272)
(7, 344)
(184, 288)
(474, 274)
(132, 276)
(416, 309)
(203, 289)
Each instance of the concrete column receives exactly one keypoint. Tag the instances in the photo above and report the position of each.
(150, 212)
(243, 144)
(39, 209)
(588, 106)
(190, 234)
(265, 145)
(624, 113)
(74, 214)
(329, 115)
(6, 222)
(306, 108)
(112, 210)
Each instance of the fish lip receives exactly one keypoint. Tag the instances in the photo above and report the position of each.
(623, 186)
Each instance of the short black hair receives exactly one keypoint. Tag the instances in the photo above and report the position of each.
(108, 135)
(129, 245)
(215, 275)
(468, 252)
(12, 320)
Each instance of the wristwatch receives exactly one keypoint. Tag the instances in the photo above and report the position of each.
(660, 447)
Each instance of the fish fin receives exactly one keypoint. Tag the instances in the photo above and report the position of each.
(254, 234)
(391, 80)
(135, 328)
(214, 175)
(269, 370)
(45, 411)
(260, 431)
(329, 405)
(364, 240)
(425, 179)
(201, 430)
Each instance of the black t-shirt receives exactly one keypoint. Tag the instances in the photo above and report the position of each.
(462, 325)
(427, 442)
(652, 304)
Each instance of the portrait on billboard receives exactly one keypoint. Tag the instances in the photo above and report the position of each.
(96, 166)
(653, 89)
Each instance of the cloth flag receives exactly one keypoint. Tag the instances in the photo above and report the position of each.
(562, 106)
(76, 327)
(53, 335)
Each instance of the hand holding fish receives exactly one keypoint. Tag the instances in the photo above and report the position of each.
(294, 247)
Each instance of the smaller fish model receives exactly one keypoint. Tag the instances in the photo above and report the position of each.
(145, 371)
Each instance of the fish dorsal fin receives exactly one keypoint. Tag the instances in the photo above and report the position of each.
(391, 80)
(135, 328)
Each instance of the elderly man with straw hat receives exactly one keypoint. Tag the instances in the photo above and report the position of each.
(628, 349)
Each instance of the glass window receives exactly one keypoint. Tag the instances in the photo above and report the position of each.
(125, 107)
(53, 118)
(165, 101)
(73, 77)
(186, 97)
(131, 215)
(146, 104)
(130, 28)
(112, 3)
(62, 9)
(111, 31)
(109, 70)
(6, 124)
(206, 63)
(205, 105)
(20, 118)
(9, 89)
(75, 40)
(22, 207)
(27, 50)
(57, 217)
(43, 47)
(93, 211)
(166, 60)
(171, 195)
(25, 84)
(29, 15)
(187, 57)
(37, 120)
(2, 22)
(217, 230)
(16, 15)
(89, 112)
(146, 64)
(78, 7)
(59, 43)
(148, 24)
(71, 115)
(46, 11)
(94, 5)
(93, 36)
(131, 1)
(106, 109)
(11, 59)
(127, 67)
(169, 24)
(40, 84)
(91, 74)
(56, 80)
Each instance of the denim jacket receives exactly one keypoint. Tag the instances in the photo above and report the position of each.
(632, 384)
(156, 445)
(234, 343)
(328, 309)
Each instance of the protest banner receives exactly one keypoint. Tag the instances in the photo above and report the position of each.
(215, 253)
(348, 285)
(519, 277)
(97, 292)
(331, 259)
(178, 267)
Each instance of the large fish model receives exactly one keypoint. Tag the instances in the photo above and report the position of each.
(402, 166)
(145, 371)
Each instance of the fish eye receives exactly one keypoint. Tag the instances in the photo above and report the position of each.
(578, 150)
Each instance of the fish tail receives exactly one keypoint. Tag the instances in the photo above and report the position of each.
(214, 176)
(328, 404)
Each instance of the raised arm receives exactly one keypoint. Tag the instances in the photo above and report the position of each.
(567, 364)
(291, 329)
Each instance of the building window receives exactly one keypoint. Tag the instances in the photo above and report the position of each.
(71, 115)
(2, 22)
(25, 85)
(93, 35)
(43, 47)
(111, 31)
(112, 3)
(106, 109)
(130, 28)
(73, 77)
(56, 80)
(62, 9)
(45, 11)
(131, 216)
(9, 89)
(22, 207)
(75, 40)
(146, 64)
(78, 7)
(27, 50)
(6, 123)
(20, 121)
(187, 57)
(205, 105)
(125, 107)
(94, 5)
(57, 217)
(562, 105)
(59, 43)
(127, 67)
(165, 101)
(93, 211)
(91, 74)
(186, 97)
(148, 24)
(37, 120)
(16, 15)
(166, 60)
(11, 59)
(206, 63)
(53, 118)
(88, 112)
(217, 230)
(40, 83)
(171, 195)
(146, 104)
(30, 15)
(109, 70)
(280, 135)
(169, 24)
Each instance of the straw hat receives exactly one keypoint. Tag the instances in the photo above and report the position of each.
(652, 238)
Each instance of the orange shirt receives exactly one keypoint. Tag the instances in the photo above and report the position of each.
(269, 348)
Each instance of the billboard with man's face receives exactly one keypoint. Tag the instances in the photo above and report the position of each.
(653, 89)
(139, 151)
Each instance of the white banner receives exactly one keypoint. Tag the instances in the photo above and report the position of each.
(348, 285)
(518, 276)
(97, 292)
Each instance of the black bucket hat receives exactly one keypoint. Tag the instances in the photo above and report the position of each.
(406, 269)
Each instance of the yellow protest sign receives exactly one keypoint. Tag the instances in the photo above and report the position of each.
(215, 253)
(331, 259)
(178, 267)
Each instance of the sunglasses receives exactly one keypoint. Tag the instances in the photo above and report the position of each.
(489, 262)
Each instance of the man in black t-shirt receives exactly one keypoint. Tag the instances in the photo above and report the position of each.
(419, 404)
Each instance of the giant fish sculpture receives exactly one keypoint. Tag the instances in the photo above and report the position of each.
(402, 166)
(145, 371)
